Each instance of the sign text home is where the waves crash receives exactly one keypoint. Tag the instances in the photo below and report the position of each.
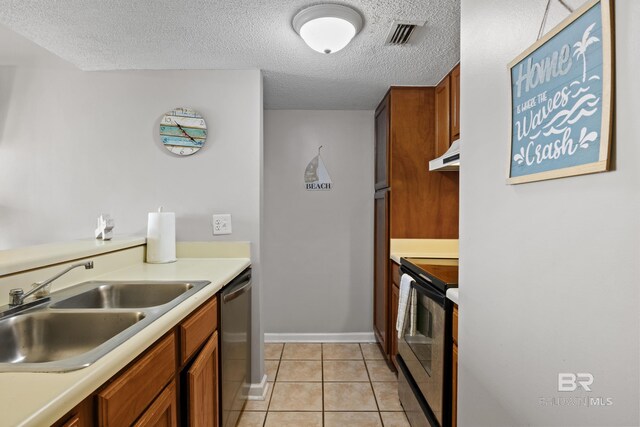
(561, 99)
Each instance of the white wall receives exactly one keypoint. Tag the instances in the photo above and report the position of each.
(318, 245)
(74, 144)
(548, 270)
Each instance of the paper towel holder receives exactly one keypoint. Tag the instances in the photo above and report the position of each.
(161, 237)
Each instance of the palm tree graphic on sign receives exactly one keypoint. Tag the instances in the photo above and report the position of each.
(581, 48)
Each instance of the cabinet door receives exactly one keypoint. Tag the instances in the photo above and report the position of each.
(163, 411)
(442, 101)
(202, 386)
(455, 103)
(381, 263)
(382, 144)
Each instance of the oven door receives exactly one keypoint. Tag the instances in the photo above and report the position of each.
(424, 353)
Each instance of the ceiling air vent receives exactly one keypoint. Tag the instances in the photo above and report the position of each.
(401, 32)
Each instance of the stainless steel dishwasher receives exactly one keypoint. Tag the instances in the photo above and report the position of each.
(235, 346)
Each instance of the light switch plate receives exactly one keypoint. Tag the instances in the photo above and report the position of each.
(222, 224)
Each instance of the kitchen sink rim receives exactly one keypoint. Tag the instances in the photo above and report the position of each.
(83, 360)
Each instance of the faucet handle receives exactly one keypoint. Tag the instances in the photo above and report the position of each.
(15, 296)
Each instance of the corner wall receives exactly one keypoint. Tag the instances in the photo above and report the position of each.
(318, 245)
(74, 144)
(548, 270)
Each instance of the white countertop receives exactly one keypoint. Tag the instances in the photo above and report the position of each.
(422, 248)
(452, 294)
(21, 259)
(36, 399)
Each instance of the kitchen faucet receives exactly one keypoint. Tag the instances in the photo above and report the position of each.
(17, 296)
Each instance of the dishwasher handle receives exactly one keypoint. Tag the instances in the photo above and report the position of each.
(243, 285)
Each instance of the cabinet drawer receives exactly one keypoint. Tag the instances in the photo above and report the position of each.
(395, 273)
(122, 401)
(197, 328)
(454, 325)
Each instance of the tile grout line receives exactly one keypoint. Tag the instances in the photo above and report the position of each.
(264, 423)
(366, 366)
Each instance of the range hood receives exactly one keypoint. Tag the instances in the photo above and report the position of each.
(449, 161)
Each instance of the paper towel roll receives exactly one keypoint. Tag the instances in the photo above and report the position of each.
(161, 237)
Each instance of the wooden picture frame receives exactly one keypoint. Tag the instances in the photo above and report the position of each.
(562, 99)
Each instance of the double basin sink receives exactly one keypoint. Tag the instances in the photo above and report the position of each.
(74, 327)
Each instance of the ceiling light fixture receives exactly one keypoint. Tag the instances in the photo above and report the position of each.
(327, 28)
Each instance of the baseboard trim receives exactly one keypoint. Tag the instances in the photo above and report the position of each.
(366, 337)
(259, 390)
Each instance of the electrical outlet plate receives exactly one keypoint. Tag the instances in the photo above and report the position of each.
(222, 224)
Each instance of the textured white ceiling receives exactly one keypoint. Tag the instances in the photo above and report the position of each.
(238, 34)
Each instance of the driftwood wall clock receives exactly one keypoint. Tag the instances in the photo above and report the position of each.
(183, 131)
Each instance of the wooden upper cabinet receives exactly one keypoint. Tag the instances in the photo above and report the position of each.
(382, 144)
(423, 205)
(455, 103)
(443, 107)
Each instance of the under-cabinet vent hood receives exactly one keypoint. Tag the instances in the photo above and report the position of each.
(449, 161)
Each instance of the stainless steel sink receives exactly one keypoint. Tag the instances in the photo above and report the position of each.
(47, 336)
(125, 295)
(76, 326)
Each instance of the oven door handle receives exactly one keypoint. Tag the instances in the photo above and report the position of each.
(437, 297)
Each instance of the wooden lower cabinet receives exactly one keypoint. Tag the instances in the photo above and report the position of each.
(202, 387)
(73, 422)
(380, 274)
(395, 298)
(197, 328)
(122, 401)
(80, 416)
(174, 382)
(163, 412)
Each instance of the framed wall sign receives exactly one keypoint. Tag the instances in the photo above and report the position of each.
(561, 99)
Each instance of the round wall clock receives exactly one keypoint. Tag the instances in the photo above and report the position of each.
(183, 131)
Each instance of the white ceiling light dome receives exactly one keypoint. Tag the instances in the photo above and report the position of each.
(327, 28)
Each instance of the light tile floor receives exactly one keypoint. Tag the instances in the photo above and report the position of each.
(330, 385)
